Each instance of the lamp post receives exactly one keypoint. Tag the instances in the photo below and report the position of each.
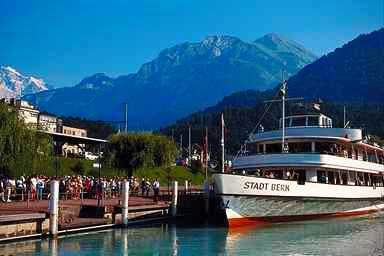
(100, 186)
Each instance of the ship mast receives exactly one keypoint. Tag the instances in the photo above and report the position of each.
(282, 93)
(284, 147)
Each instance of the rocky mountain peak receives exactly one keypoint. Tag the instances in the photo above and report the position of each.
(13, 84)
(220, 41)
(96, 81)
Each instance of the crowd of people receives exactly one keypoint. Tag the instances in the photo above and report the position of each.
(72, 187)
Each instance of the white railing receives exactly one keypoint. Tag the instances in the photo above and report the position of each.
(306, 160)
(309, 132)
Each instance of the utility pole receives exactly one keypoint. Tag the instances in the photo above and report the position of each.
(181, 145)
(126, 117)
(206, 152)
(99, 182)
(222, 143)
(189, 146)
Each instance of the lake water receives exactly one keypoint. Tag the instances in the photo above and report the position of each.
(347, 236)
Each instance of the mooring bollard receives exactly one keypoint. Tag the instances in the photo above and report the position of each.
(206, 196)
(186, 186)
(54, 209)
(174, 199)
(125, 198)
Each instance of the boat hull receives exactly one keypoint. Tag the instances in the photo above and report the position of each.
(252, 200)
(242, 211)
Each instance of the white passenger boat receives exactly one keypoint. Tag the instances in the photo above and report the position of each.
(304, 170)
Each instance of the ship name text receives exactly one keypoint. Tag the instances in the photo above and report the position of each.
(265, 186)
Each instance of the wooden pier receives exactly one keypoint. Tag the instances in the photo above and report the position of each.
(27, 220)
(19, 220)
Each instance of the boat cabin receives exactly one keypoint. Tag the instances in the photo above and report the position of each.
(297, 121)
(315, 152)
(315, 134)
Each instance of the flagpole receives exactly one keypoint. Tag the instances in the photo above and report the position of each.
(222, 143)
(206, 153)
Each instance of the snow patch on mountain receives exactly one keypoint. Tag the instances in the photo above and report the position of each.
(13, 84)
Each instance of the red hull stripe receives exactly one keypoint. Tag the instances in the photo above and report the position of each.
(258, 221)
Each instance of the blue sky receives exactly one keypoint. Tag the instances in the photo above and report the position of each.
(65, 41)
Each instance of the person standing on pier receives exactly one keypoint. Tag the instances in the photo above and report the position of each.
(40, 187)
(143, 186)
(156, 188)
(2, 189)
(148, 186)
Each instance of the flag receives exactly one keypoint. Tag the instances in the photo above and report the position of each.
(283, 89)
(316, 106)
(222, 128)
(222, 120)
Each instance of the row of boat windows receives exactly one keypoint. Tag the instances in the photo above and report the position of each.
(319, 147)
(305, 121)
(336, 177)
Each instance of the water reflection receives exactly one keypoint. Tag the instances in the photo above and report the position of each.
(364, 236)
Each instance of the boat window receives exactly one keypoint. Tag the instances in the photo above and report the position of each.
(313, 121)
(273, 148)
(298, 121)
(371, 158)
(321, 177)
(366, 179)
(352, 179)
(327, 148)
(359, 179)
(331, 177)
(375, 182)
(337, 178)
(344, 178)
(273, 174)
(301, 177)
(253, 148)
(301, 147)
(287, 122)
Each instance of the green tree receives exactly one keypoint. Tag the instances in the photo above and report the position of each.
(139, 150)
(22, 150)
(78, 168)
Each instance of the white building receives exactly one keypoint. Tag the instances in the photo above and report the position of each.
(48, 122)
(27, 112)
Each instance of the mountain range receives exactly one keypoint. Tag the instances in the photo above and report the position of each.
(15, 85)
(351, 76)
(353, 73)
(182, 79)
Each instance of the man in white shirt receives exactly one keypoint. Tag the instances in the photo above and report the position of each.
(156, 189)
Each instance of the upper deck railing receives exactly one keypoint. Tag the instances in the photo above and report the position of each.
(344, 134)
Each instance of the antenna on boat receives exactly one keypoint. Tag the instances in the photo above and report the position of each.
(282, 93)
(284, 87)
